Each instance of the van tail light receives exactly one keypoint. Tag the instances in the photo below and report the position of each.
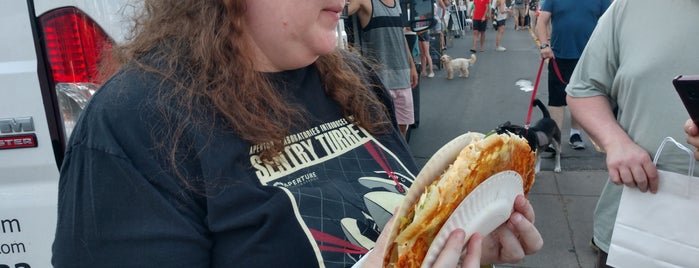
(74, 46)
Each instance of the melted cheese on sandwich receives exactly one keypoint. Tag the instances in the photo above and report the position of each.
(475, 163)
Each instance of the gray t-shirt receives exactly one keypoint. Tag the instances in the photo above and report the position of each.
(632, 60)
(383, 41)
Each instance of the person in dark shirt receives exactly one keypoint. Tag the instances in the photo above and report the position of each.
(236, 134)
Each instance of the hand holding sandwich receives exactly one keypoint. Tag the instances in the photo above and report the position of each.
(509, 243)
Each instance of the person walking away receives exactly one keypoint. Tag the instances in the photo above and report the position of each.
(520, 10)
(533, 13)
(572, 23)
(463, 13)
(425, 57)
(383, 42)
(610, 74)
(440, 13)
(480, 13)
(501, 19)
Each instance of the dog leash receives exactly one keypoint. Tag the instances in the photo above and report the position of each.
(536, 86)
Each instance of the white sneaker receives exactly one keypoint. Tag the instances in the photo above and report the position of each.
(500, 49)
(430, 75)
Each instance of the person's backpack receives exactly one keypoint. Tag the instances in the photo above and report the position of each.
(519, 2)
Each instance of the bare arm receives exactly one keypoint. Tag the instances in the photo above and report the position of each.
(542, 32)
(362, 8)
(444, 8)
(627, 162)
(502, 8)
(413, 70)
(487, 11)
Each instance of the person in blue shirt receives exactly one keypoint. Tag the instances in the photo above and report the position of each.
(563, 28)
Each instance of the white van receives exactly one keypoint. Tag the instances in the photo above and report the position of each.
(48, 58)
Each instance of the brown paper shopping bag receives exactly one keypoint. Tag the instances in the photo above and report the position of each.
(662, 229)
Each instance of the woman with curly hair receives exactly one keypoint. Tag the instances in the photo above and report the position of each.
(235, 134)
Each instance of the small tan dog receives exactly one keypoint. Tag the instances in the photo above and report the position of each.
(461, 64)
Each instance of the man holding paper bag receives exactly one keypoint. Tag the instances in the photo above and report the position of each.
(623, 68)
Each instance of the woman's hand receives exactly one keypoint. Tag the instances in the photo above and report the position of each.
(515, 238)
(508, 243)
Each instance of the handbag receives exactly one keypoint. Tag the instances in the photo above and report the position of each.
(662, 229)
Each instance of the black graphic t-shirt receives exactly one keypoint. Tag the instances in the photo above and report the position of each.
(322, 204)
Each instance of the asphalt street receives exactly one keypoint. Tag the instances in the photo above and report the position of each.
(493, 94)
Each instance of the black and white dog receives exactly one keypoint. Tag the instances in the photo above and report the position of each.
(539, 136)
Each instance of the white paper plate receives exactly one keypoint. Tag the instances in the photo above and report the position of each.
(483, 210)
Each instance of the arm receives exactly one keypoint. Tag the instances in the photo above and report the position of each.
(99, 225)
(444, 8)
(542, 32)
(487, 11)
(627, 162)
(502, 8)
(362, 8)
(354, 6)
(413, 70)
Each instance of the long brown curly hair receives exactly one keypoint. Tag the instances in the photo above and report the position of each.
(204, 35)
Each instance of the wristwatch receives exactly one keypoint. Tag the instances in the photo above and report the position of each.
(544, 46)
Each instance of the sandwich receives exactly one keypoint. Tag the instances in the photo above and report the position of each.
(450, 175)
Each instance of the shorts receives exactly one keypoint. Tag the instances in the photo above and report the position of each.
(479, 25)
(557, 89)
(437, 25)
(501, 23)
(424, 36)
(519, 11)
(403, 102)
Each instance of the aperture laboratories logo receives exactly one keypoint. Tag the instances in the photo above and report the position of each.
(308, 148)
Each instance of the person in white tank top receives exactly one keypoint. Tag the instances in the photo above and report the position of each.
(501, 19)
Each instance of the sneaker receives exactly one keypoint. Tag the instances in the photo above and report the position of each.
(430, 75)
(576, 142)
(500, 49)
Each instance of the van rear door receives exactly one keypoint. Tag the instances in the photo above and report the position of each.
(28, 169)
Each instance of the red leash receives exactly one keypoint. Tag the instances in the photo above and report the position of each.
(536, 86)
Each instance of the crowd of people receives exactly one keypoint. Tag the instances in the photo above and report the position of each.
(206, 148)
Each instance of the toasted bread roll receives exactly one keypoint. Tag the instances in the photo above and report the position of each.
(433, 197)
